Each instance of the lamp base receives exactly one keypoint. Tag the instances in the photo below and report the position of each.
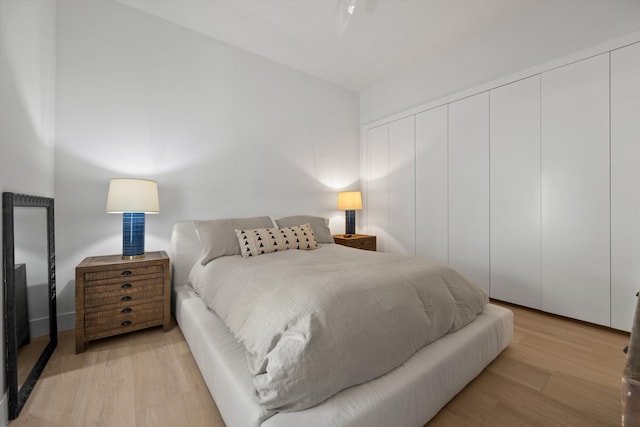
(132, 256)
(349, 222)
(132, 235)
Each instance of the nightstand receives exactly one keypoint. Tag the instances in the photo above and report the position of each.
(115, 296)
(358, 241)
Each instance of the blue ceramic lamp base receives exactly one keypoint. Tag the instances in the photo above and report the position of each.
(132, 235)
(350, 222)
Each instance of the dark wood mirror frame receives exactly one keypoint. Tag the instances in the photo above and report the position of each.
(18, 397)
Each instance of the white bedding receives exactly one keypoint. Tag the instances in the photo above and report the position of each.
(316, 322)
(408, 396)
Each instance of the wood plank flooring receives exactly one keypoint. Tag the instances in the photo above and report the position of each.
(555, 372)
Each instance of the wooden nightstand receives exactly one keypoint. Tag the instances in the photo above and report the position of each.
(359, 241)
(116, 296)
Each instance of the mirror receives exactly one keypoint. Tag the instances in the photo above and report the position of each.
(29, 292)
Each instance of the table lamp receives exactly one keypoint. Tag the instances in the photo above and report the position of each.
(133, 198)
(349, 202)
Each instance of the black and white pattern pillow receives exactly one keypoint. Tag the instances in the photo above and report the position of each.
(299, 237)
(261, 241)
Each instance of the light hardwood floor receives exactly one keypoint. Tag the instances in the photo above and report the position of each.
(555, 372)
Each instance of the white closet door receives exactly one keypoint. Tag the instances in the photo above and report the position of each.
(515, 192)
(376, 200)
(575, 190)
(402, 233)
(625, 184)
(469, 187)
(432, 210)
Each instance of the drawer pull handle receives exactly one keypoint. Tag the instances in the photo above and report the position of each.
(126, 310)
(126, 273)
(126, 285)
(126, 298)
(126, 323)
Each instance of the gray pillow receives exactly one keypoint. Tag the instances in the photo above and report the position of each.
(318, 225)
(218, 236)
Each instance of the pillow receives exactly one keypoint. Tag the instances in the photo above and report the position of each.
(266, 240)
(318, 224)
(218, 236)
(261, 241)
(300, 237)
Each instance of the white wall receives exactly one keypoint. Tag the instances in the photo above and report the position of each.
(27, 79)
(427, 83)
(224, 132)
(27, 76)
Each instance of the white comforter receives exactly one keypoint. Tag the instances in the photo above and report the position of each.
(316, 322)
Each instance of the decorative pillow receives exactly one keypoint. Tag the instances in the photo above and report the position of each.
(266, 240)
(218, 236)
(299, 237)
(261, 241)
(318, 224)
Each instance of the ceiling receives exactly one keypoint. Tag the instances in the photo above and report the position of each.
(384, 38)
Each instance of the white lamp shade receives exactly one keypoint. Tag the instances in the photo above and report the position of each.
(133, 195)
(349, 201)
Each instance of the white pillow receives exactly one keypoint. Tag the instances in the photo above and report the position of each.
(259, 241)
(300, 237)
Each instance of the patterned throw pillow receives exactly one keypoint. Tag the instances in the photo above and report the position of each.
(299, 237)
(319, 225)
(261, 241)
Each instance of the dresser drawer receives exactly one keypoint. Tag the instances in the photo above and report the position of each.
(123, 318)
(125, 273)
(366, 244)
(122, 292)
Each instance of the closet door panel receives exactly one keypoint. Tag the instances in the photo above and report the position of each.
(432, 230)
(625, 180)
(402, 231)
(575, 191)
(469, 187)
(377, 187)
(515, 192)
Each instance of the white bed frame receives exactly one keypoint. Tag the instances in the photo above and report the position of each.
(408, 396)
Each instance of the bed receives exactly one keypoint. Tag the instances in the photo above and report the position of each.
(408, 395)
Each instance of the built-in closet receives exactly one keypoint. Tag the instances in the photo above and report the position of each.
(530, 188)
(625, 183)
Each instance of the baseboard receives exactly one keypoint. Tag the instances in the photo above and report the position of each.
(67, 321)
(40, 327)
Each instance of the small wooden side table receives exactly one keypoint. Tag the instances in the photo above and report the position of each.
(115, 296)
